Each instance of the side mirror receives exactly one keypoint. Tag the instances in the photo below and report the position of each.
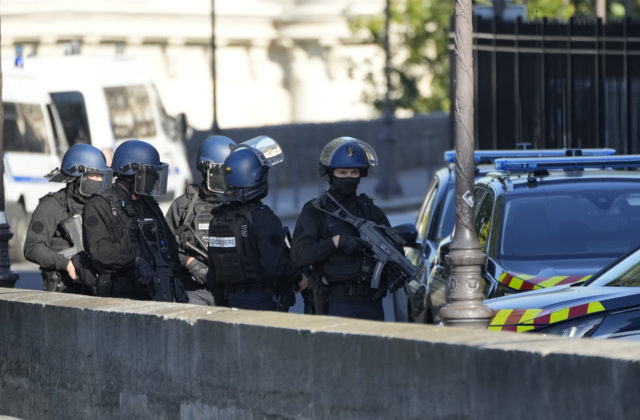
(409, 233)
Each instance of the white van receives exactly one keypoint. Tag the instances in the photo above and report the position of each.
(34, 143)
(106, 100)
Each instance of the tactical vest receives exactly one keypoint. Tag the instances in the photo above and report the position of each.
(125, 224)
(194, 227)
(342, 268)
(61, 239)
(55, 280)
(232, 251)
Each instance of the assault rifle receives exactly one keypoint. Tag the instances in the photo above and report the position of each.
(167, 287)
(73, 228)
(184, 233)
(383, 243)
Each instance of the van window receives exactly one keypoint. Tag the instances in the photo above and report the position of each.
(130, 112)
(73, 114)
(60, 142)
(168, 123)
(25, 129)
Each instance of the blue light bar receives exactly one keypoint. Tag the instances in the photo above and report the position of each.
(568, 162)
(488, 156)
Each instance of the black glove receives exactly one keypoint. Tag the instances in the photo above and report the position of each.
(198, 271)
(145, 272)
(82, 266)
(351, 245)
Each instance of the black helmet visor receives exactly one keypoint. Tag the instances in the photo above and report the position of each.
(151, 180)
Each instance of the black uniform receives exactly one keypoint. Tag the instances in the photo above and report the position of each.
(188, 218)
(249, 262)
(348, 277)
(125, 263)
(46, 237)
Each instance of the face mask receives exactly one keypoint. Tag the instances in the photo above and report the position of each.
(88, 187)
(345, 186)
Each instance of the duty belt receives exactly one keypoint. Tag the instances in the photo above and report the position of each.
(240, 288)
(351, 289)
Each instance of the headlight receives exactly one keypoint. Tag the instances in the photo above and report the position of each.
(582, 327)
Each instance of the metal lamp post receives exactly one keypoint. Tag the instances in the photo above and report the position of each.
(388, 185)
(215, 128)
(464, 294)
(8, 278)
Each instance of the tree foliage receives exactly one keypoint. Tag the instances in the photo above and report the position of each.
(419, 46)
(565, 9)
(419, 55)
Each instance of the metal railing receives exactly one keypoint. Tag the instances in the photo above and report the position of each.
(557, 84)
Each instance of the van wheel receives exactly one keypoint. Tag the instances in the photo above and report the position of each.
(19, 223)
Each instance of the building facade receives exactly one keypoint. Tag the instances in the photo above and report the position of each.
(277, 61)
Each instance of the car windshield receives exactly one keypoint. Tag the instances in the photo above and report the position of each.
(625, 273)
(592, 222)
(447, 215)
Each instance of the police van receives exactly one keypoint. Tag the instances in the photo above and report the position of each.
(34, 143)
(105, 100)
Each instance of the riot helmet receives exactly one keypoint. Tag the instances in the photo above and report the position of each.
(139, 162)
(85, 165)
(247, 167)
(347, 152)
(211, 156)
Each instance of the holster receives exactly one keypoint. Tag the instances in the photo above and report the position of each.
(286, 298)
(52, 281)
(103, 285)
(320, 293)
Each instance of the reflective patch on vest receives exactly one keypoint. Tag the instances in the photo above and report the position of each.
(222, 242)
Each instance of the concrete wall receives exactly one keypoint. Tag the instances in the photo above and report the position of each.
(420, 143)
(65, 356)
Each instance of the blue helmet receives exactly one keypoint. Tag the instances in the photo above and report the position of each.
(347, 152)
(243, 169)
(132, 153)
(245, 175)
(141, 160)
(211, 156)
(214, 150)
(83, 158)
(86, 167)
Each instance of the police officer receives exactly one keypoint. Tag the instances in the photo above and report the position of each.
(249, 263)
(54, 238)
(332, 247)
(126, 235)
(190, 214)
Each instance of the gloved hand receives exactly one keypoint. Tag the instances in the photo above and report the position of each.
(144, 271)
(198, 271)
(351, 245)
(82, 266)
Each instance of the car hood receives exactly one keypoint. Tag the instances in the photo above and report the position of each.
(537, 309)
(524, 282)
